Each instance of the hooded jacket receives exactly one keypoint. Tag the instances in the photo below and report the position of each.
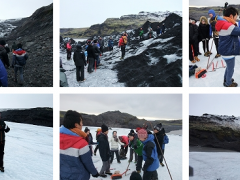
(3, 75)
(75, 158)
(79, 57)
(103, 145)
(90, 51)
(150, 155)
(203, 29)
(228, 38)
(213, 21)
(19, 58)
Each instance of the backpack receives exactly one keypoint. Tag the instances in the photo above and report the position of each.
(124, 40)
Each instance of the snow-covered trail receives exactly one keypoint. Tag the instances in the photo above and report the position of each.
(28, 152)
(215, 165)
(213, 79)
(173, 156)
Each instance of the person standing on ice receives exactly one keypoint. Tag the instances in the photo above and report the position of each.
(91, 57)
(114, 146)
(90, 139)
(110, 44)
(158, 131)
(213, 31)
(97, 52)
(122, 44)
(69, 50)
(124, 148)
(193, 39)
(150, 155)
(104, 151)
(80, 62)
(132, 143)
(101, 43)
(141, 34)
(229, 46)
(75, 158)
(3, 129)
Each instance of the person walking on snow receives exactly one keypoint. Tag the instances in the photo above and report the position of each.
(69, 50)
(80, 62)
(122, 44)
(3, 129)
(114, 146)
(229, 46)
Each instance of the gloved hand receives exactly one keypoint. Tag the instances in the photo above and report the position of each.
(96, 175)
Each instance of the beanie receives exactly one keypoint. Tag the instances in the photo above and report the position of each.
(104, 128)
(142, 133)
(135, 176)
(211, 11)
(158, 127)
(130, 134)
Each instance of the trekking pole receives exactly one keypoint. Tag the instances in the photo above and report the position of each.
(161, 152)
(210, 54)
(127, 169)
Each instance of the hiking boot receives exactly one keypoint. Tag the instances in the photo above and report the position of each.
(193, 61)
(119, 162)
(196, 58)
(162, 164)
(103, 175)
(2, 169)
(199, 53)
(206, 54)
(209, 52)
(218, 55)
(109, 173)
(225, 81)
(232, 85)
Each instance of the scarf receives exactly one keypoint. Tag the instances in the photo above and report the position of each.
(115, 138)
(79, 132)
(230, 20)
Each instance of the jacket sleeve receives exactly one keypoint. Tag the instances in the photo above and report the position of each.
(148, 149)
(122, 144)
(236, 31)
(74, 56)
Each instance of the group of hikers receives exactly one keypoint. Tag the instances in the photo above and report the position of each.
(19, 57)
(159, 31)
(225, 32)
(76, 150)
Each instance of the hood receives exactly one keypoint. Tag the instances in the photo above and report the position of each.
(19, 52)
(211, 11)
(222, 24)
(150, 138)
(203, 18)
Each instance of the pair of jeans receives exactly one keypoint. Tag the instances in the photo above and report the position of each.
(117, 155)
(229, 71)
(80, 73)
(20, 69)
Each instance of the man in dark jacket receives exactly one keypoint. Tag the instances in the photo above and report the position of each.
(3, 53)
(133, 142)
(18, 62)
(193, 39)
(104, 151)
(91, 57)
(158, 30)
(80, 62)
(97, 52)
(3, 128)
(159, 132)
(3, 75)
(101, 43)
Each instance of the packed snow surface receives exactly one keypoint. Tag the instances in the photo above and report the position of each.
(173, 156)
(215, 78)
(215, 165)
(28, 152)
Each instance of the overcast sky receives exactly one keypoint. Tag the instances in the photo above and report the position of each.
(11, 9)
(219, 104)
(79, 13)
(25, 100)
(211, 2)
(150, 107)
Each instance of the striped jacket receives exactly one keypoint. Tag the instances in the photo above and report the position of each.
(75, 158)
(228, 38)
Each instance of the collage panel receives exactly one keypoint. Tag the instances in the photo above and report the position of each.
(133, 45)
(214, 45)
(115, 136)
(26, 44)
(214, 136)
(26, 136)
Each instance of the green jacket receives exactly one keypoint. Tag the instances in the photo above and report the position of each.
(3, 129)
(137, 146)
(141, 33)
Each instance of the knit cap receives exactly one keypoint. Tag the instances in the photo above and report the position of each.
(142, 133)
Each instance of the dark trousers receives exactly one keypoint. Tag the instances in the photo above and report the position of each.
(95, 150)
(150, 175)
(131, 155)
(160, 156)
(216, 44)
(69, 53)
(117, 154)
(90, 64)
(125, 149)
(105, 167)
(101, 49)
(205, 45)
(141, 37)
(2, 144)
(139, 163)
(229, 71)
(80, 73)
(123, 50)
(190, 52)
(196, 48)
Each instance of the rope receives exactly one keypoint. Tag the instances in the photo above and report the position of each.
(161, 152)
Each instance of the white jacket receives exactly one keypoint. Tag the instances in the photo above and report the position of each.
(114, 144)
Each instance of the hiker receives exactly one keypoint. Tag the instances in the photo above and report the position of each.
(90, 139)
(163, 28)
(137, 146)
(14, 47)
(158, 139)
(90, 58)
(4, 54)
(229, 46)
(124, 148)
(122, 44)
(196, 43)
(3, 129)
(3, 75)
(97, 52)
(193, 39)
(158, 30)
(101, 44)
(75, 157)
(213, 32)
(80, 62)
(114, 146)
(150, 32)
(132, 142)
(150, 155)
(69, 50)
(98, 132)
(110, 44)
(141, 33)
(135, 176)
(19, 59)
(165, 141)
(104, 151)
(203, 34)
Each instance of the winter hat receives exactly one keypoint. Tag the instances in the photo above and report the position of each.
(135, 176)
(99, 129)
(132, 131)
(211, 11)
(2, 42)
(19, 46)
(104, 128)
(130, 134)
(142, 133)
(158, 127)
(95, 41)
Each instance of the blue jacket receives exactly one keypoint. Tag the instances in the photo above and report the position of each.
(19, 57)
(110, 43)
(3, 75)
(165, 141)
(150, 155)
(75, 158)
(228, 38)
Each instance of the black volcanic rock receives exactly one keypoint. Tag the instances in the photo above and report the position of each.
(35, 116)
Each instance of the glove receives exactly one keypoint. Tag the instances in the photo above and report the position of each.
(96, 175)
(135, 146)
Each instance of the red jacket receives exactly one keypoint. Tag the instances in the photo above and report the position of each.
(125, 140)
(121, 42)
(69, 47)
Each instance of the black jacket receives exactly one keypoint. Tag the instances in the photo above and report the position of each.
(79, 58)
(203, 31)
(159, 136)
(96, 49)
(104, 148)
(3, 54)
(90, 51)
(193, 33)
